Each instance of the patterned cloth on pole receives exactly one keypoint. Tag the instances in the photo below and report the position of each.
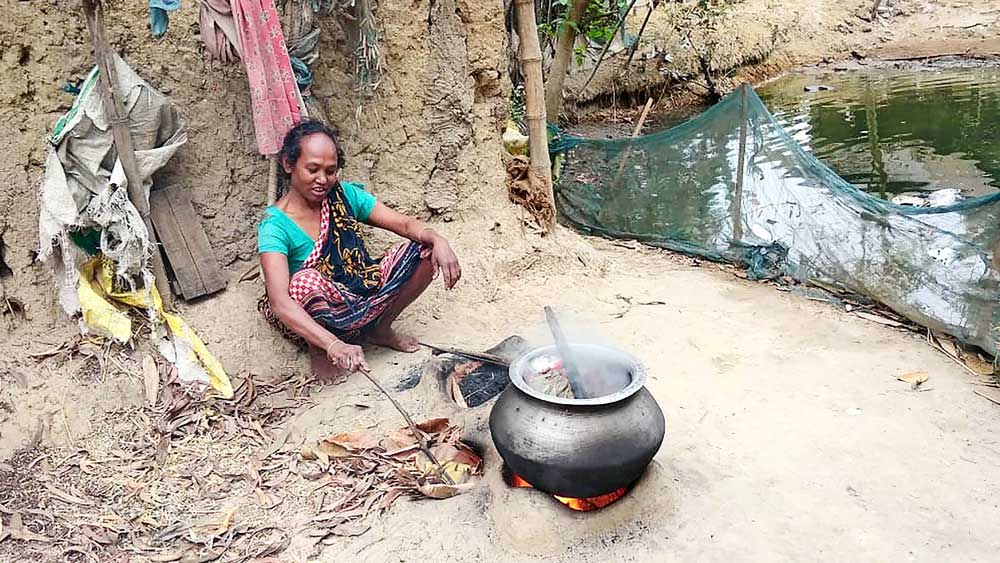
(273, 91)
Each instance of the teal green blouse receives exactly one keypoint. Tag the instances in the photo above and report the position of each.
(277, 231)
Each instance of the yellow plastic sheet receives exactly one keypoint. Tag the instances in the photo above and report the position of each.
(98, 299)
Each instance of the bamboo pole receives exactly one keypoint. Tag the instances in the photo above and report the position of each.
(562, 59)
(530, 55)
(738, 193)
(272, 179)
(94, 13)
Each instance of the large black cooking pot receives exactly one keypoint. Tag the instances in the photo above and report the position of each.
(579, 447)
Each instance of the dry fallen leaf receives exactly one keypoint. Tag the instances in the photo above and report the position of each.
(350, 529)
(331, 449)
(947, 346)
(444, 491)
(99, 535)
(227, 521)
(17, 530)
(166, 557)
(976, 363)
(66, 497)
(914, 378)
(354, 441)
(278, 443)
(151, 379)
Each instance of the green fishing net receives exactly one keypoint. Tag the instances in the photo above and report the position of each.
(785, 213)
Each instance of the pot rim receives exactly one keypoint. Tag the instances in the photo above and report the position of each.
(638, 373)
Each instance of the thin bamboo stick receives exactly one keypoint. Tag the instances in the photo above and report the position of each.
(741, 164)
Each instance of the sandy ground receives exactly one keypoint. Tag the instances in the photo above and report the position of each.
(789, 437)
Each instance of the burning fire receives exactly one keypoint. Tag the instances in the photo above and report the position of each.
(579, 504)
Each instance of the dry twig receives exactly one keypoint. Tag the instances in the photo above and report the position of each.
(413, 427)
(987, 397)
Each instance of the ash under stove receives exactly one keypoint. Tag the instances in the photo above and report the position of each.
(471, 383)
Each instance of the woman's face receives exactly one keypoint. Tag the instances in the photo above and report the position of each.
(315, 172)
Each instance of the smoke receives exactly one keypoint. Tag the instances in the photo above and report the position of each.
(603, 367)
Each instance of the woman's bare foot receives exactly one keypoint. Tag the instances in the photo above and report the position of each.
(389, 338)
(322, 369)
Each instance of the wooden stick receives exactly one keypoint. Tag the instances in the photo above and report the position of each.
(534, 96)
(642, 28)
(616, 183)
(635, 133)
(94, 13)
(875, 9)
(272, 179)
(987, 397)
(480, 356)
(413, 427)
(607, 45)
(738, 194)
(569, 362)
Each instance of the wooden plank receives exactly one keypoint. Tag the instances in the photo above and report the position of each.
(185, 243)
(181, 262)
(197, 241)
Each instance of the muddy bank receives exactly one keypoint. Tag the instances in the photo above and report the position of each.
(760, 39)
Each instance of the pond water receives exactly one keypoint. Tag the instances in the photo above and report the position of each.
(895, 131)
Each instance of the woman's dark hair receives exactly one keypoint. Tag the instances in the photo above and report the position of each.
(291, 147)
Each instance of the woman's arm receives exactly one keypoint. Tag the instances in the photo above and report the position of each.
(292, 315)
(443, 258)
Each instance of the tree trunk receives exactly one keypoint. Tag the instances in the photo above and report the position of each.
(563, 58)
(534, 93)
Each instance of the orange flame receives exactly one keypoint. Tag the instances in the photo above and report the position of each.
(579, 504)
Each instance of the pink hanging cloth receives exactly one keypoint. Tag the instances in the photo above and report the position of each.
(273, 90)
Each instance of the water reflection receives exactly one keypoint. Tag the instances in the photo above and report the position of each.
(894, 131)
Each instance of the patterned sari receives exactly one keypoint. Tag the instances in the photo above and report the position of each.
(343, 288)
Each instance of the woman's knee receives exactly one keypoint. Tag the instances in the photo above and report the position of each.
(424, 272)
